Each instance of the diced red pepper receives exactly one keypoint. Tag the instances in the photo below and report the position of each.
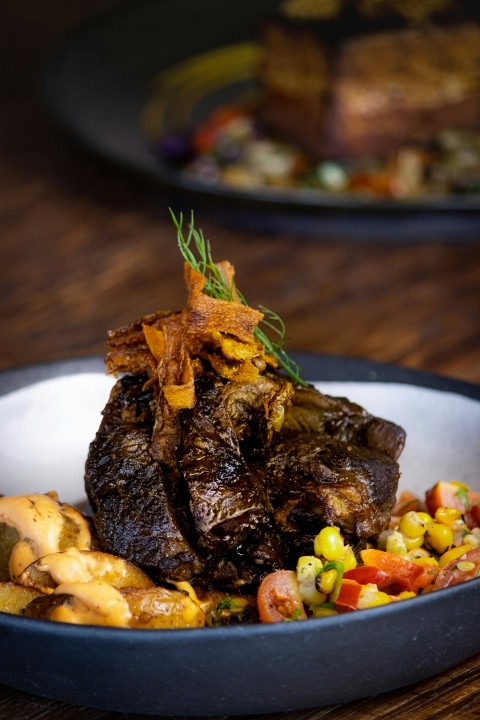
(402, 573)
(366, 575)
(349, 594)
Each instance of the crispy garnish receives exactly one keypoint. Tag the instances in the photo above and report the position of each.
(216, 327)
(220, 284)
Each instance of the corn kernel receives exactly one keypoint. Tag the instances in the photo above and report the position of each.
(308, 567)
(447, 515)
(452, 554)
(439, 537)
(425, 517)
(420, 552)
(329, 544)
(406, 594)
(349, 560)
(459, 530)
(320, 611)
(413, 543)
(426, 561)
(326, 581)
(459, 525)
(471, 540)
(413, 525)
(372, 597)
(396, 544)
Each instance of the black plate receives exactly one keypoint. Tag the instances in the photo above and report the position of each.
(99, 82)
(263, 669)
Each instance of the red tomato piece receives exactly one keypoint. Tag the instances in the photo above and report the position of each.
(279, 598)
(366, 575)
(349, 594)
(448, 494)
(444, 494)
(428, 576)
(457, 571)
(472, 512)
(475, 515)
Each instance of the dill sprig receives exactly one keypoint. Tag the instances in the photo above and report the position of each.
(196, 251)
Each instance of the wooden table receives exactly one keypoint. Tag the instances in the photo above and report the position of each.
(85, 248)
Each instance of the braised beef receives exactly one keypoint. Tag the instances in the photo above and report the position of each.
(139, 510)
(313, 477)
(312, 411)
(225, 498)
(260, 468)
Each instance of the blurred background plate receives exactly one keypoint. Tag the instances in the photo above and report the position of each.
(102, 85)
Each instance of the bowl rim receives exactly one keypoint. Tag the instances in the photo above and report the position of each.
(332, 367)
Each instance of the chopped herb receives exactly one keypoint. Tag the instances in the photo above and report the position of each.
(338, 566)
(225, 603)
(230, 611)
(332, 565)
(296, 615)
(196, 251)
(462, 494)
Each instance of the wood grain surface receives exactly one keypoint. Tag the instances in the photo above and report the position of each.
(85, 248)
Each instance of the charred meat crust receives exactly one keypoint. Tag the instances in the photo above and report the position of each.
(337, 482)
(225, 499)
(138, 508)
(312, 411)
(259, 470)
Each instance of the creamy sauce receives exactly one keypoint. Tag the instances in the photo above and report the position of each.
(92, 603)
(75, 565)
(65, 567)
(39, 521)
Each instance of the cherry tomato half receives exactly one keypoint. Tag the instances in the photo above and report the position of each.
(279, 598)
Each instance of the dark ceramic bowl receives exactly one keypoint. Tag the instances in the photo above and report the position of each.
(244, 669)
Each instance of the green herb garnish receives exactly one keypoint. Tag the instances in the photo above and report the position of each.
(462, 494)
(338, 566)
(196, 251)
(226, 603)
(296, 615)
